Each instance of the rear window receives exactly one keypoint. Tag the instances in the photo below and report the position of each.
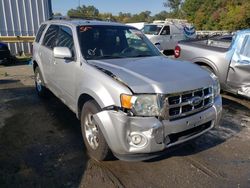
(40, 32)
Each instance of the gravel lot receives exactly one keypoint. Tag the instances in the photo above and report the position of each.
(41, 146)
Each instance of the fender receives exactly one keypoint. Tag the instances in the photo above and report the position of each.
(205, 61)
(218, 72)
(104, 89)
(38, 61)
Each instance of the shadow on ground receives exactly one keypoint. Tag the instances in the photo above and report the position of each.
(40, 141)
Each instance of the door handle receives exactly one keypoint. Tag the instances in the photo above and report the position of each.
(54, 62)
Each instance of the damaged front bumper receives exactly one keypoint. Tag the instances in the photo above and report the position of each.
(138, 137)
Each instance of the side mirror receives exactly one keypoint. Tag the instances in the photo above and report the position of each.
(62, 53)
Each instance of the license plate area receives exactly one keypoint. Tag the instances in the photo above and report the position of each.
(176, 137)
(196, 121)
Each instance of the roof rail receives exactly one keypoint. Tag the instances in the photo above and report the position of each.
(159, 21)
(79, 17)
(176, 20)
(170, 20)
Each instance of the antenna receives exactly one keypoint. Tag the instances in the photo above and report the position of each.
(79, 3)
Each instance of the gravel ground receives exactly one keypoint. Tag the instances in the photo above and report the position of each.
(41, 146)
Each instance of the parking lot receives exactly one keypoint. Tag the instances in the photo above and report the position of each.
(41, 145)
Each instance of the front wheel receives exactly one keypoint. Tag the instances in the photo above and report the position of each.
(92, 135)
(42, 91)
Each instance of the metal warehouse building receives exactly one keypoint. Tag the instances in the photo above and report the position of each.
(22, 18)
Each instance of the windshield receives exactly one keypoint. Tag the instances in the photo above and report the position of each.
(152, 29)
(107, 42)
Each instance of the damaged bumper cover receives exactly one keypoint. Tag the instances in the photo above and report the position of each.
(141, 138)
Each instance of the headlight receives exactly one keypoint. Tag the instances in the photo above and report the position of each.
(216, 85)
(141, 105)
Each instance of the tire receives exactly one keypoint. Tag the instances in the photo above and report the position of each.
(207, 68)
(94, 140)
(41, 90)
(12, 60)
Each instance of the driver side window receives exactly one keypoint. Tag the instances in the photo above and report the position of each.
(165, 30)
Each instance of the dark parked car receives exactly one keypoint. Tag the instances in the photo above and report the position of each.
(5, 55)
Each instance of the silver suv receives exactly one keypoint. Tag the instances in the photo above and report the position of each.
(131, 100)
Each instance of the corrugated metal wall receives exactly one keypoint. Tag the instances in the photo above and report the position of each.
(22, 18)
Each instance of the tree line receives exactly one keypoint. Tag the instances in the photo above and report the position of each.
(204, 14)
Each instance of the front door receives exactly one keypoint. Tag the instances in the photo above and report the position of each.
(239, 71)
(166, 38)
(65, 68)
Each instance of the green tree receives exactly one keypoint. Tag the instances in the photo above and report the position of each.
(174, 6)
(190, 7)
(84, 12)
(162, 15)
(205, 14)
(107, 17)
(124, 17)
(141, 17)
(217, 14)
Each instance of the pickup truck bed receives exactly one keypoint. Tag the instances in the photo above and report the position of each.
(214, 45)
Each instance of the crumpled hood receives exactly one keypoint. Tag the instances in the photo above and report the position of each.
(156, 74)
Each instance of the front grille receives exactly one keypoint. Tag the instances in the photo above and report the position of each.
(183, 104)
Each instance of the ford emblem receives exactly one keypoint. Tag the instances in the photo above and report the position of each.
(195, 101)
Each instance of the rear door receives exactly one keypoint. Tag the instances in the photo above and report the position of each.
(64, 69)
(239, 71)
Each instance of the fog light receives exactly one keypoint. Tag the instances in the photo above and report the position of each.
(136, 139)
